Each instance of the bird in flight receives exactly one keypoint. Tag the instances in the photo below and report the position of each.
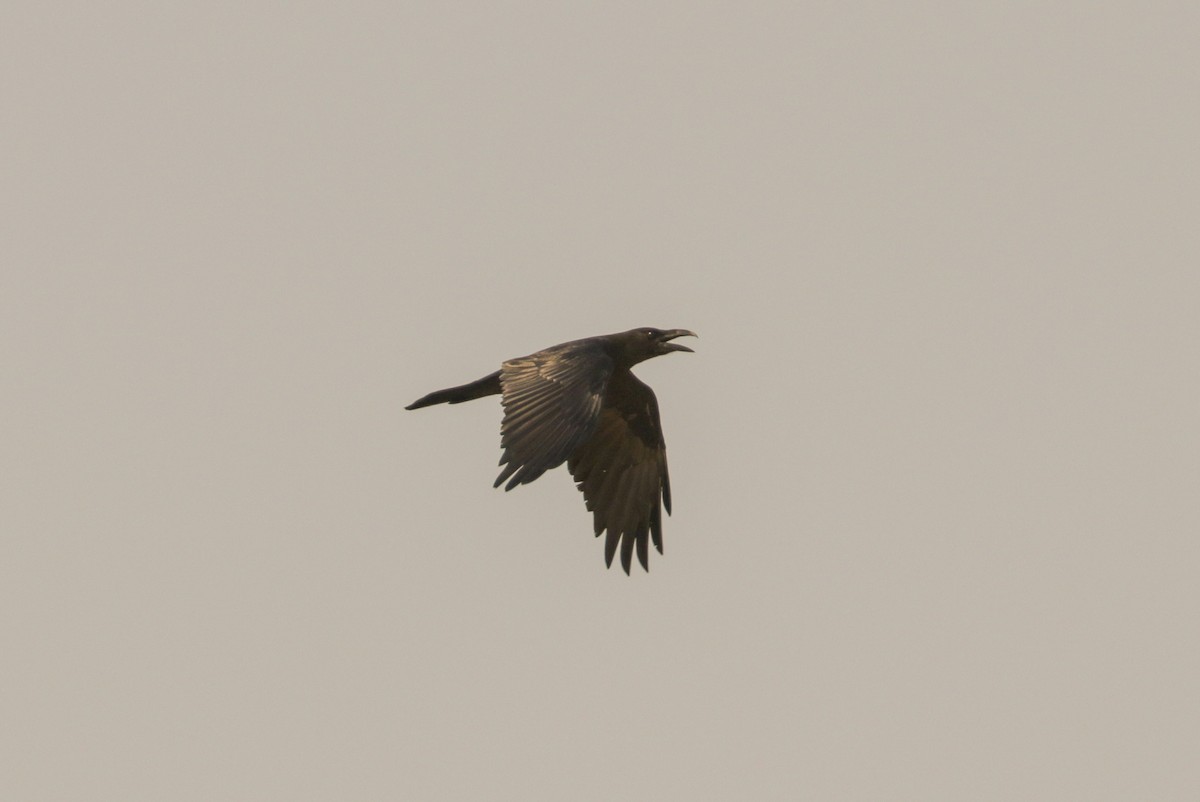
(580, 403)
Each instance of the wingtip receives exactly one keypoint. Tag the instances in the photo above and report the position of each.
(643, 549)
(627, 543)
(610, 549)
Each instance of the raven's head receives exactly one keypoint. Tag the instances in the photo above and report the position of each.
(646, 343)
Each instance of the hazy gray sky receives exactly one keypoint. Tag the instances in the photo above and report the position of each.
(935, 462)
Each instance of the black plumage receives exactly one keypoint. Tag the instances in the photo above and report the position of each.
(580, 403)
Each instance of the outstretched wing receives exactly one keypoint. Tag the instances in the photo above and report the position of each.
(622, 471)
(552, 400)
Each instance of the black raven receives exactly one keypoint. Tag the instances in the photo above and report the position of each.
(579, 403)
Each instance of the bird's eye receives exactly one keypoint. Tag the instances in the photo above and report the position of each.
(649, 333)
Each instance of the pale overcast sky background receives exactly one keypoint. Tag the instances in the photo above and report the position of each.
(935, 460)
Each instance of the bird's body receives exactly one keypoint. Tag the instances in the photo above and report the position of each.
(580, 403)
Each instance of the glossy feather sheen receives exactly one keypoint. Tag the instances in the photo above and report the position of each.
(622, 471)
(551, 401)
(579, 403)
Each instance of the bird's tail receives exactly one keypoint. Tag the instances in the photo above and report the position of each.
(488, 385)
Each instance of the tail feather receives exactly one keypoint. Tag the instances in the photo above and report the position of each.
(488, 385)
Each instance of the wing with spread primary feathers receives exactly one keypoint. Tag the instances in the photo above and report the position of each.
(552, 401)
(622, 471)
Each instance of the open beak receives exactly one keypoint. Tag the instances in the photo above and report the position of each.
(671, 335)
